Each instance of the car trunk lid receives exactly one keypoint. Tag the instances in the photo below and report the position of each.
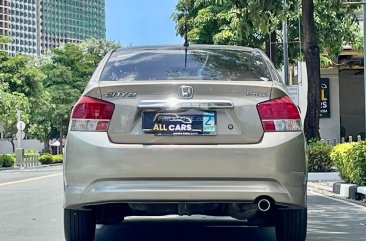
(218, 112)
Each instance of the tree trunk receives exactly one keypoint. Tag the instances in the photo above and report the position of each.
(312, 58)
(12, 144)
(46, 145)
(61, 138)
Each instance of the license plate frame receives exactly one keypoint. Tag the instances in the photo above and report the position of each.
(180, 123)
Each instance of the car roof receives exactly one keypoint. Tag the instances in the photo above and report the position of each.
(191, 47)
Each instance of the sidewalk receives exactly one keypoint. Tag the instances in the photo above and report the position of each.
(19, 168)
(323, 180)
(331, 184)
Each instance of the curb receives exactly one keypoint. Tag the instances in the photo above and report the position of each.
(25, 168)
(351, 191)
(341, 189)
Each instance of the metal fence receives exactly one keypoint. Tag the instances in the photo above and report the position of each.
(342, 140)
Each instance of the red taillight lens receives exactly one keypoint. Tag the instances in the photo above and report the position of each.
(279, 115)
(90, 114)
(90, 108)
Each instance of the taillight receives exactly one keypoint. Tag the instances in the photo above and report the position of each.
(279, 115)
(90, 114)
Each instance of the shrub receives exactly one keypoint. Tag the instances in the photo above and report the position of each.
(57, 158)
(6, 160)
(340, 159)
(350, 160)
(318, 157)
(46, 159)
(358, 164)
(30, 151)
(50, 159)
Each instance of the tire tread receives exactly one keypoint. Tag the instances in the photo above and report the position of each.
(291, 225)
(79, 225)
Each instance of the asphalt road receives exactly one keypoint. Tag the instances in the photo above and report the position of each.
(31, 210)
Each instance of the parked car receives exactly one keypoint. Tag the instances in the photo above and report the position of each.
(181, 130)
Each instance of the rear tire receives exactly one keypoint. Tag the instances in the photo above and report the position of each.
(291, 224)
(79, 225)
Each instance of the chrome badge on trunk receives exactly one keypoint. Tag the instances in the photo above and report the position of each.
(185, 92)
(121, 94)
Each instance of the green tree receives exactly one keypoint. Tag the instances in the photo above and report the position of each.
(45, 89)
(20, 87)
(10, 102)
(250, 23)
(39, 119)
(229, 22)
(21, 76)
(98, 48)
(326, 27)
(68, 69)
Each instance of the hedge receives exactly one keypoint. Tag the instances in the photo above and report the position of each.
(350, 160)
(50, 159)
(6, 160)
(319, 157)
(46, 159)
(57, 158)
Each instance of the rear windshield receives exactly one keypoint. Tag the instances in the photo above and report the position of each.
(231, 65)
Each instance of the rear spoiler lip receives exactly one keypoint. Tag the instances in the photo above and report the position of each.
(185, 104)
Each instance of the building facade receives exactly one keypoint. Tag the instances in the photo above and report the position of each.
(4, 22)
(23, 19)
(66, 21)
(35, 26)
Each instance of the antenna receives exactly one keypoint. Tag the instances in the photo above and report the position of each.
(186, 42)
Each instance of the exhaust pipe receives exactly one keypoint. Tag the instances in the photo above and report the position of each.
(264, 205)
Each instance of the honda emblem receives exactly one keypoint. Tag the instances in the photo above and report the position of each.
(185, 92)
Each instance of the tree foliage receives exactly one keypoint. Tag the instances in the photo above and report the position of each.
(39, 119)
(327, 25)
(336, 24)
(249, 23)
(10, 102)
(68, 69)
(45, 88)
(20, 87)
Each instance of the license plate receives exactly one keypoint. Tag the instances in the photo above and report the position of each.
(180, 123)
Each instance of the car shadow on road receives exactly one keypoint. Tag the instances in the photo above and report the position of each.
(334, 220)
(183, 230)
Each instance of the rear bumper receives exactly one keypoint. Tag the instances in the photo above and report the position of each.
(97, 171)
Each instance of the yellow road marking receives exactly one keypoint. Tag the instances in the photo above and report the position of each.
(29, 179)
